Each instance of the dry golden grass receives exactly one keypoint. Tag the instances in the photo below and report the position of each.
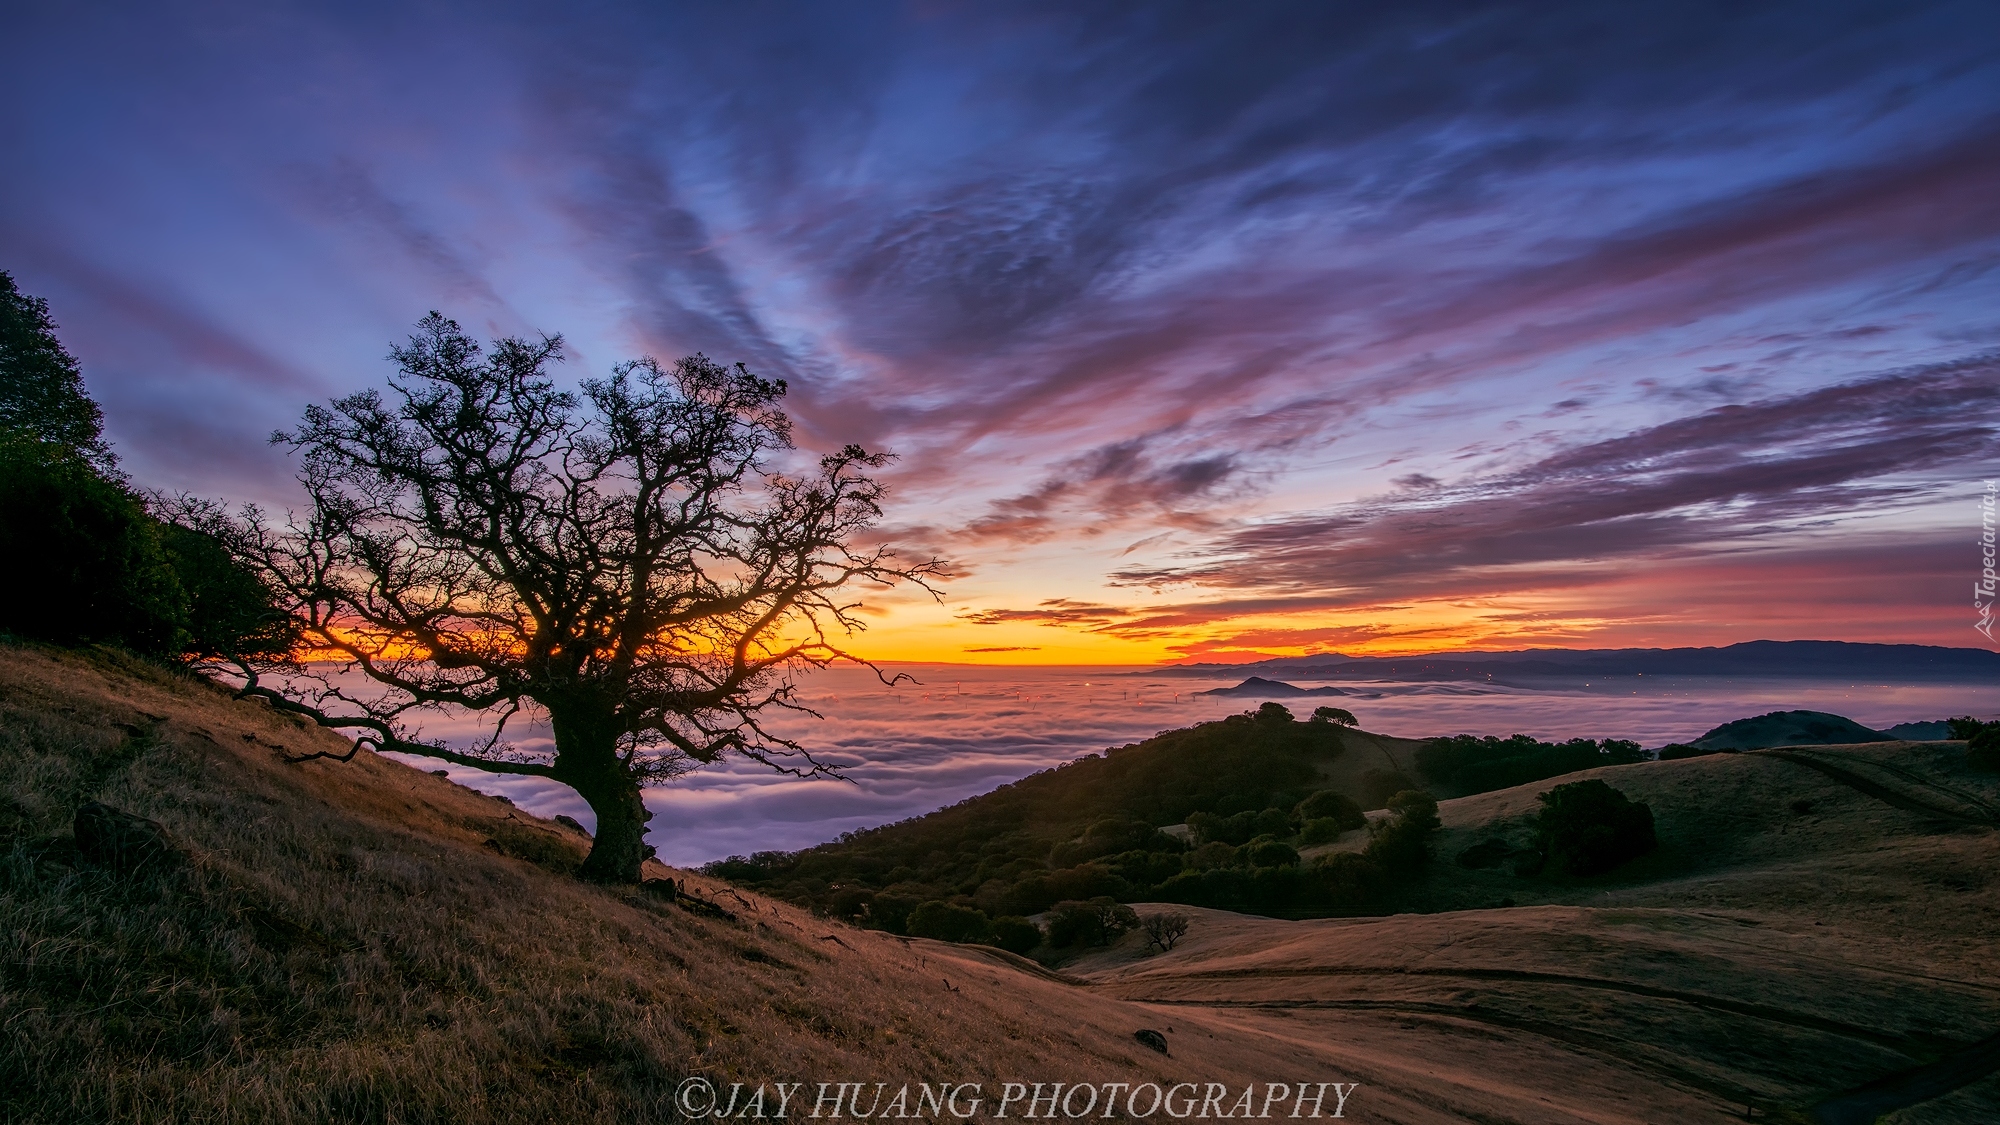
(342, 943)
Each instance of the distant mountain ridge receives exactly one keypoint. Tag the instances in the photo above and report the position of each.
(1814, 659)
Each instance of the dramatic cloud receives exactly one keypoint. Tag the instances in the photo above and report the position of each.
(1727, 476)
(1316, 317)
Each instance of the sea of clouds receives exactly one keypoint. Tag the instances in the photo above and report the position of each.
(958, 731)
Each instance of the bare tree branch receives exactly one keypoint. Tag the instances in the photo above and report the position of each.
(628, 559)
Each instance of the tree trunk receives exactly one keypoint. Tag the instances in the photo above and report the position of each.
(587, 761)
(619, 846)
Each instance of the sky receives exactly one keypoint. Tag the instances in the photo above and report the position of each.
(1201, 332)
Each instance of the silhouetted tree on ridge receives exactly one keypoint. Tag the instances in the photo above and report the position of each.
(624, 559)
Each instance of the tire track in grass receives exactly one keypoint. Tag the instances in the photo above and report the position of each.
(1908, 802)
(1903, 1089)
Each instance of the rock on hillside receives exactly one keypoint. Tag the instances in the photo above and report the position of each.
(1789, 728)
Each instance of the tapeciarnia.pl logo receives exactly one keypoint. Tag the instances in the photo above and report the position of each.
(1983, 591)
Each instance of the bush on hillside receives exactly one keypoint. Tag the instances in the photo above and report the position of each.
(1378, 785)
(1965, 727)
(1321, 830)
(1480, 765)
(1240, 828)
(1402, 841)
(1588, 828)
(888, 910)
(1329, 803)
(946, 921)
(1112, 836)
(1982, 750)
(1216, 854)
(1347, 879)
(851, 902)
(87, 563)
(231, 613)
(1680, 751)
(1143, 869)
(1098, 921)
(1271, 853)
(1015, 934)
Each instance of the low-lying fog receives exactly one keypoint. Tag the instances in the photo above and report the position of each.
(961, 730)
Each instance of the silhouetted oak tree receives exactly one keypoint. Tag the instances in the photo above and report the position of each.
(626, 559)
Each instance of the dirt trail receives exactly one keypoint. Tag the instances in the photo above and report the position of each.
(1969, 809)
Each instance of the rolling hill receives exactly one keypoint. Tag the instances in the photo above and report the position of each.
(1788, 728)
(1810, 942)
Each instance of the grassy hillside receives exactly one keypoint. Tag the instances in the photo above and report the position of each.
(1093, 827)
(1882, 828)
(1082, 829)
(367, 942)
(1811, 915)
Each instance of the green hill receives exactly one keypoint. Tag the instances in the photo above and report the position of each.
(1789, 728)
(1211, 815)
(1090, 827)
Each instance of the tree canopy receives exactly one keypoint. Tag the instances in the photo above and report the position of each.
(89, 560)
(41, 386)
(628, 559)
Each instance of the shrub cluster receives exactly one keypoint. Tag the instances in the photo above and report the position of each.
(1401, 843)
(1982, 742)
(947, 921)
(1588, 828)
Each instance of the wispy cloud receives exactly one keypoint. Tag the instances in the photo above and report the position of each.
(1320, 306)
(1723, 478)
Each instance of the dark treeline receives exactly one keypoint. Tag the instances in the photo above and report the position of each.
(1464, 765)
(89, 558)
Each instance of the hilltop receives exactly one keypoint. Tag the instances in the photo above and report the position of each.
(370, 942)
(1790, 728)
(1214, 815)
(1091, 827)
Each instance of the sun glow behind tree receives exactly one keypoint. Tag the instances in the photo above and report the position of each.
(627, 560)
